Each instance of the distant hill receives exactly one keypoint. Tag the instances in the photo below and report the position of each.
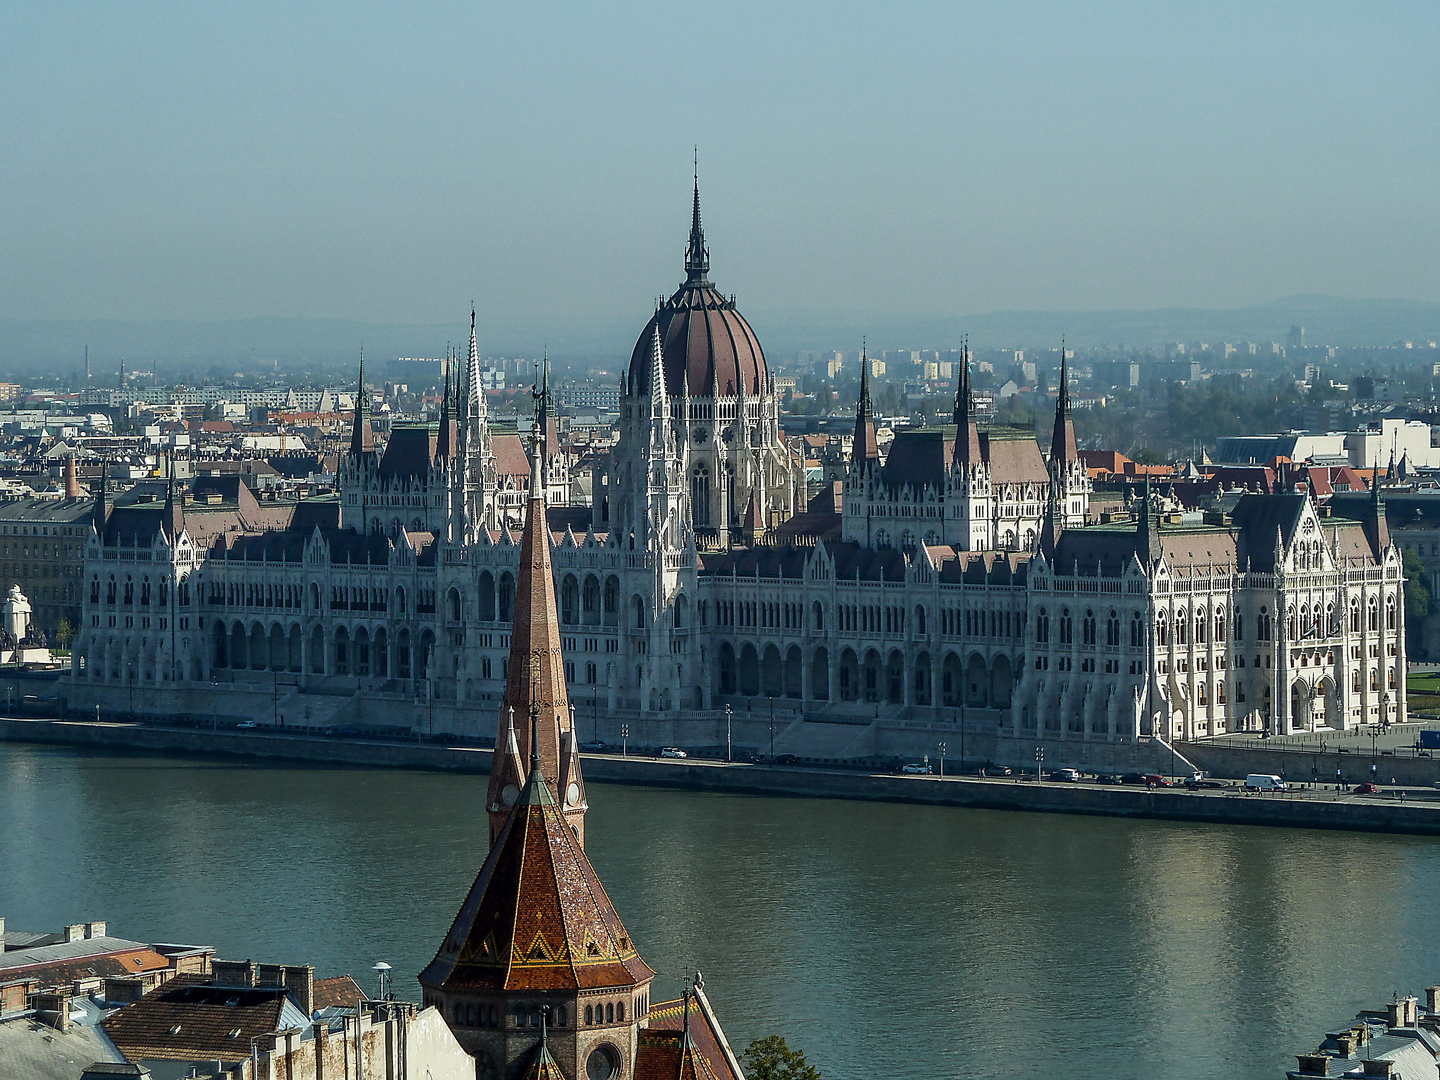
(27, 346)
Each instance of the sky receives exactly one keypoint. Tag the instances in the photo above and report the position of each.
(395, 162)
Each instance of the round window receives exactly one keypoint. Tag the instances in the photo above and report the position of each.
(572, 793)
(602, 1063)
(509, 794)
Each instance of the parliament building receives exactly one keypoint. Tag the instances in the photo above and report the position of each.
(958, 580)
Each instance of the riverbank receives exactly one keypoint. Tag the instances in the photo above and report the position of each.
(1326, 810)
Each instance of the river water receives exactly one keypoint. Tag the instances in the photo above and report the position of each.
(895, 941)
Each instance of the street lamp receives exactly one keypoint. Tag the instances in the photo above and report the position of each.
(382, 970)
(624, 740)
(772, 729)
(942, 761)
(1039, 760)
(729, 715)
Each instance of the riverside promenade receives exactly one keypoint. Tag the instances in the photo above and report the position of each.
(1299, 809)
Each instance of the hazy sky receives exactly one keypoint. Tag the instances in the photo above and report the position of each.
(391, 163)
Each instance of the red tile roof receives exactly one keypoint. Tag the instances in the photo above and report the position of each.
(341, 991)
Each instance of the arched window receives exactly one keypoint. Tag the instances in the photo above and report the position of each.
(920, 620)
(1067, 627)
(1137, 631)
(1355, 616)
(1042, 627)
(1202, 627)
(817, 615)
(1112, 630)
(1373, 618)
(1390, 614)
(1162, 630)
(589, 1014)
(1087, 628)
(620, 1013)
(1219, 625)
(1262, 625)
(1182, 627)
(1332, 624)
(609, 1012)
(700, 497)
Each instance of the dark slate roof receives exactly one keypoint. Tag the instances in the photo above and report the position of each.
(576, 518)
(409, 453)
(778, 561)
(981, 567)
(348, 546)
(279, 546)
(918, 458)
(852, 559)
(1258, 517)
(316, 513)
(822, 525)
(1013, 457)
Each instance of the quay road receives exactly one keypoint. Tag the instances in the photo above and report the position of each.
(1418, 812)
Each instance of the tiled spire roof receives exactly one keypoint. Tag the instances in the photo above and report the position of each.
(537, 917)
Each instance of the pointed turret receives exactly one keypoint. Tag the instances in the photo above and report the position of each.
(1052, 527)
(1147, 539)
(864, 449)
(1062, 440)
(536, 673)
(659, 397)
(474, 382)
(173, 519)
(102, 511)
(362, 438)
(1377, 529)
(447, 438)
(967, 433)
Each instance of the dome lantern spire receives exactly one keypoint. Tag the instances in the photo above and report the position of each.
(697, 256)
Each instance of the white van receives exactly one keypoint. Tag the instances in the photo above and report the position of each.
(1259, 781)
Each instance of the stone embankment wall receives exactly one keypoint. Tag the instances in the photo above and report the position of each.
(1230, 808)
(1305, 766)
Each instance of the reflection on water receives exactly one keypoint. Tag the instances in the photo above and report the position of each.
(886, 940)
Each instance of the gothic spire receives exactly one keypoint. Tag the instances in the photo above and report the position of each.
(967, 434)
(1062, 439)
(362, 438)
(474, 388)
(535, 677)
(864, 448)
(697, 255)
(174, 515)
(659, 396)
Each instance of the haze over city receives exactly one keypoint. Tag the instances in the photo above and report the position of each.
(859, 165)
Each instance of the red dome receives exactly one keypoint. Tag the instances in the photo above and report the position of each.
(703, 339)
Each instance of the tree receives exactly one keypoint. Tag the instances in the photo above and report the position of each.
(64, 633)
(770, 1059)
(1417, 604)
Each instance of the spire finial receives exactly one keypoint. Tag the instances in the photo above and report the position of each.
(697, 257)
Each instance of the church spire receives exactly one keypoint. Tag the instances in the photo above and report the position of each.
(535, 678)
(697, 255)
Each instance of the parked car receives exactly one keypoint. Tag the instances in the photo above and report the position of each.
(1132, 778)
(247, 725)
(595, 746)
(915, 769)
(1156, 780)
(1066, 776)
(1106, 778)
(1367, 788)
(1203, 783)
(997, 770)
(786, 759)
(671, 752)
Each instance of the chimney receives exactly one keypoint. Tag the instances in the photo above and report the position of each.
(1432, 993)
(1313, 1065)
(117, 990)
(2, 934)
(54, 1009)
(72, 482)
(1378, 1068)
(95, 929)
(75, 932)
(1412, 1011)
(233, 972)
(1395, 1014)
(300, 982)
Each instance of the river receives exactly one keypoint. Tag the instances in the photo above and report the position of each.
(884, 940)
